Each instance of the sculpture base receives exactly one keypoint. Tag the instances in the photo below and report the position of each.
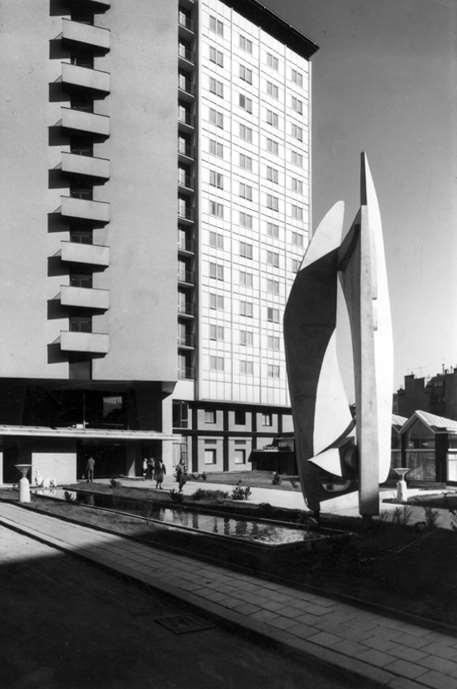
(24, 490)
(402, 491)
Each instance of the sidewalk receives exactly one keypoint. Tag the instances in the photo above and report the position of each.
(394, 653)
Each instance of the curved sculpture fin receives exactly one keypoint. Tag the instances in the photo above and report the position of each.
(329, 461)
(327, 235)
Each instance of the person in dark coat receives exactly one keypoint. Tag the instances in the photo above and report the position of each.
(149, 469)
(90, 469)
(159, 472)
(181, 475)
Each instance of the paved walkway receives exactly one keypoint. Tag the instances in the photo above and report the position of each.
(394, 653)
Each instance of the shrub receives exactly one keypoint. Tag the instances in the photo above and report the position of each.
(431, 517)
(401, 515)
(240, 493)
(202, 494)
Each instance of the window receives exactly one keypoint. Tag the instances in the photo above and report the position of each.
(272, 118)
(245, 191)
(246, 44)
(216, 148)
(240, 418)
(246, 74)
(296, 132)
(272, 90)
(297, 78)
(273, 371)
(183, 178)
(273, 230)
(273, 259)
(246, 309)
(216, 209)
(180, 414)
(216, 332)
(216, 302)
(216, 271)
(183, 114)
(216, 179)
(210, 415)
(296, 212)
(297, 239)
(267, 419)
(246, 133)
(216, 26)
(184, 19)
(183, 209)
(296, 185)
(246, 338)
(216, 240)
(216, 363)
(272, 146)
(183, 146)
(245, 162)
(216, 118)
(273, 343)
(272, 315)
(296, 159)
(184, 51)
(209, 455)
(239, 455)
(216, 56)
(246, 368)
(297, 105)
(272, 174)
(183, 82)
(246, 279)
(295, 265)
(272, 202)
(216, 87)
(272, 62)
(246, 221)
(272, 286)
(246, 250)
(245, 103)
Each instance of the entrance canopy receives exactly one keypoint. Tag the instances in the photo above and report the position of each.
(82, 433)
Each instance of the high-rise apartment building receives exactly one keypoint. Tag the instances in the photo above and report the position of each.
(92, 343)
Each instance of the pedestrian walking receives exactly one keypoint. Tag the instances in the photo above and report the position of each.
(149, 468)
(145, 467)
(159, 472)
(181, 474)
(90, 469)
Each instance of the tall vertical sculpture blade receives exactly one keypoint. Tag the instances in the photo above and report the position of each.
(309, 324)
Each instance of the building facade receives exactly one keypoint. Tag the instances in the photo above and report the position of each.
(437, 394)
(244, 211)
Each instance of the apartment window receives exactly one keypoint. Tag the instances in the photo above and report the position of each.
(216, 209)
(246, 221)
(216, 179)
(209, 455)
(184, 51)
(246, 250)
(216, 56)
(272, 118)
(246, 309)
(297, 105)
(296, 185)
(246, 368)
(180, 414)
(297, 78)
(297, 239)
(273, 230)
(184, 19)
(245, 191)
(272, 62)
(216, 240)
(245, 162)
(296, 132)
(272, 202)
(296, 212)
(246, 279)
(183, 177)
(216, 118)
(245, 103)
(245, 44)
(216, 148)
(272, 90)
(183, 208)
(296, 159)
(216, 271)
(216, 363)
(183, 114)
(246, 338)
(295, 265)
(210, 415)
(246, 133)
(272, 146)
(267, 419)
(273, 343)
(183, 82)
(272, 315)
(216, 302)
(273, 259)
(183, 146)
(272, 174)
(246, 74)
(273, 287)
(216, 87)
(81, 324)
(216, 26)
(240, 455)
(273, 371)
(216, 332)
(240, 418)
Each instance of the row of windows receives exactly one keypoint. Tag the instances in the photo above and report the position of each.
(210, 416)
(216, 271)
(216, 240)
(246, 339)
(246, 367)
(246, 250)
(246, 308)
(216, 209)
(246, 279)
(216, 179)
(216, 117)
(216, 148)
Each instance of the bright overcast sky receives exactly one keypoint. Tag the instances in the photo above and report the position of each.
(384, 81)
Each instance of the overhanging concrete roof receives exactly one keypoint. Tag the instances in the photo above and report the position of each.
(83, 433)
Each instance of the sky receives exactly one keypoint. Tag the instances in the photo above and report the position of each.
(384, 81)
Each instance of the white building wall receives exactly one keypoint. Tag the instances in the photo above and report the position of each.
(249, 370)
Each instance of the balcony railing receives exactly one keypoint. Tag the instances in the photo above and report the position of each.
(89, 343)
(86, 35)
(93, 81)
(85, 209)
(87, 122)
(84, 297)
(84, 165)
(90, 254)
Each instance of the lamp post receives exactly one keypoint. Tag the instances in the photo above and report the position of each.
(24, 485)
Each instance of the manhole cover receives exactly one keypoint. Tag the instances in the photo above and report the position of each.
(184, 624)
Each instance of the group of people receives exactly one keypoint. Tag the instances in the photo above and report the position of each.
(154, 468)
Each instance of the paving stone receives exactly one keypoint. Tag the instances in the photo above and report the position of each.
(447, 667)
(406, 653)
(437, 680)
(283, 622)
(403, 683)
(303, 631)
(381, 643)
(406, 669)
(378, 658)
(324, 639)
(441, 650)
(417, 642)
(350, 648)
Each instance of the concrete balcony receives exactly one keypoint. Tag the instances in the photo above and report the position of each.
(84, 297)
(90, 343)
(85, 122)
(94, 82)
(84, 209)
(87, 36)
(86, 166)
(97, 6)
(89, 254)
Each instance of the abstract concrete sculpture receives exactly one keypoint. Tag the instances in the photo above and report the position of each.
(329, 457)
